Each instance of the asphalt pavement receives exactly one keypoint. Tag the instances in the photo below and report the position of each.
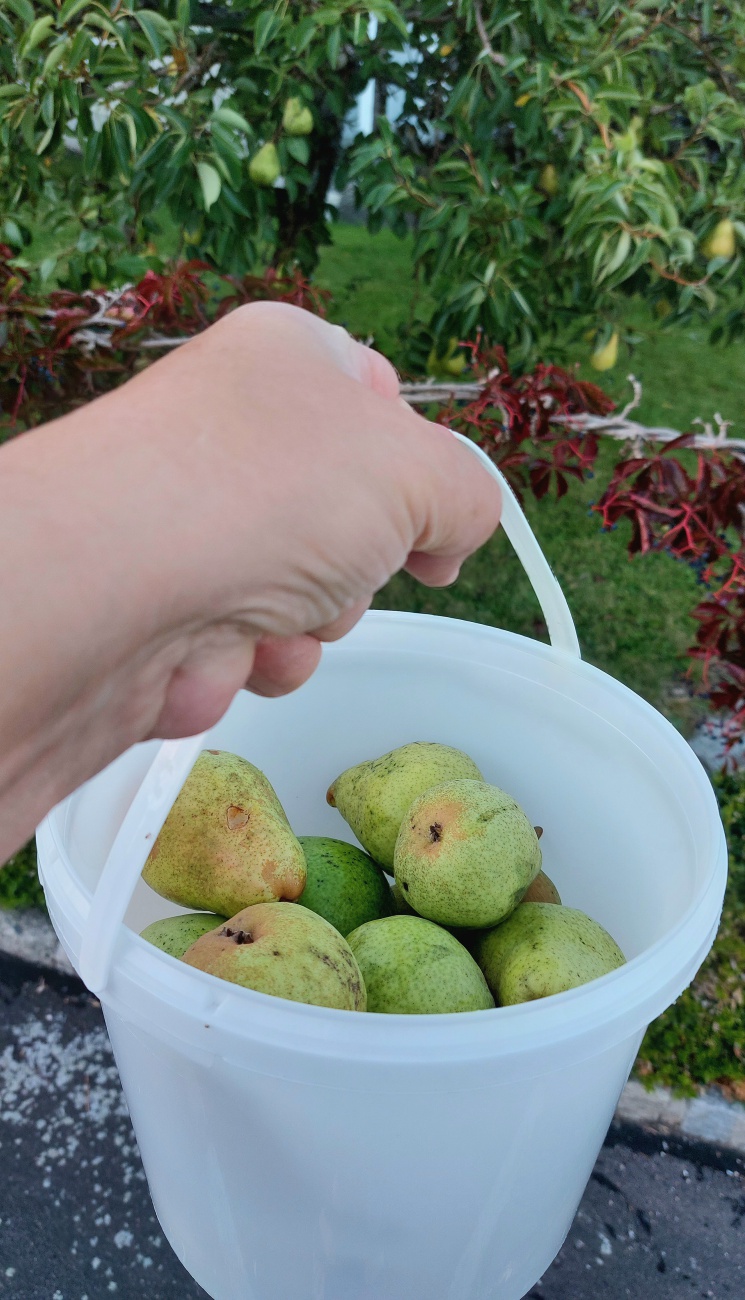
(658, 1219)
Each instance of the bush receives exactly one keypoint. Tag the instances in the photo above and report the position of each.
(701, 1039)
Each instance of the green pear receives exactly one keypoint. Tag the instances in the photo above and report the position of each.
(465, 854)
(264, 168)
(343, 884)
(373, 797)
(289, 952)
(297, 118)
(544, 948)
(226, 843)
(174, 934)
(412, 967)
(542, 890)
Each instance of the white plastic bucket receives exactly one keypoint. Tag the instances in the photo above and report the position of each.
(300, 1153)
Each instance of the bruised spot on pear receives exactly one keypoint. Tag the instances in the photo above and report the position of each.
(287, 952)
(237, 818)
(465, 854)
(226, 843)
(238, 936)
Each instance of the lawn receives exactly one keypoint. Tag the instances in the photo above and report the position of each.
(633, 616)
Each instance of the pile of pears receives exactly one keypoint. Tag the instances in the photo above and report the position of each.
(444, 908)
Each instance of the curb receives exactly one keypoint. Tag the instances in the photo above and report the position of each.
(707, 1118)
(28, 936)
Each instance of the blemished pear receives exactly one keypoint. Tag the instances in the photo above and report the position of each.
(541, 890)
(343, 884)
(465, 854)
(544, 948)
(174, 934)
(373, 797)
(288, 952)
(226, 843)
(412, 967)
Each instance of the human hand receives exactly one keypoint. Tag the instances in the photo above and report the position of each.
(209, 525)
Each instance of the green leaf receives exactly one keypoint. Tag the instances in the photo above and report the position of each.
(106, 25)
(41, 146)
(229, 117)
(333, 46)
(183, 14)
(234, 202)
(11, 91)
(22, 9)
(12, 232)
(211, 183)
(119, 143)
(38, 32)
(129, 123)
(264, 29)
(80, 48)
(47, 268)
(298, 148)
(619, 257)
(152, 25)
(55, 57)
(386, 10)
(70, 8)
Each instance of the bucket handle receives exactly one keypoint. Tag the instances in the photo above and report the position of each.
(561, 630)
(175, 759)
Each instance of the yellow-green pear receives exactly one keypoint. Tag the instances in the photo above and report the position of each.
(412, 967)
(297, 118)
(543, 949)
(289, 952)
(606, 357)
(465, 854)
(548, 181)
(174, 934)
(541, 890)
(374, 796)
(722, 242)
(226, 843)
(264, 168)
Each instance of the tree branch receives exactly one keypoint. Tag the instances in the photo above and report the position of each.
(488, 48)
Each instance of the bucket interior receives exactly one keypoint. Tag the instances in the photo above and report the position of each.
(630, 827)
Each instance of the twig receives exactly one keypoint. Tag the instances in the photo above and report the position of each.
(489, 50)
(96, 332)
(616, 425)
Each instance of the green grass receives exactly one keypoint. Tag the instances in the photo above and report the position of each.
(372, 282)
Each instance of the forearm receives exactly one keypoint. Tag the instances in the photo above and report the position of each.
(78, 609)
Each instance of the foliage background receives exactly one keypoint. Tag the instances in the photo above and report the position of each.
(550, 158)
